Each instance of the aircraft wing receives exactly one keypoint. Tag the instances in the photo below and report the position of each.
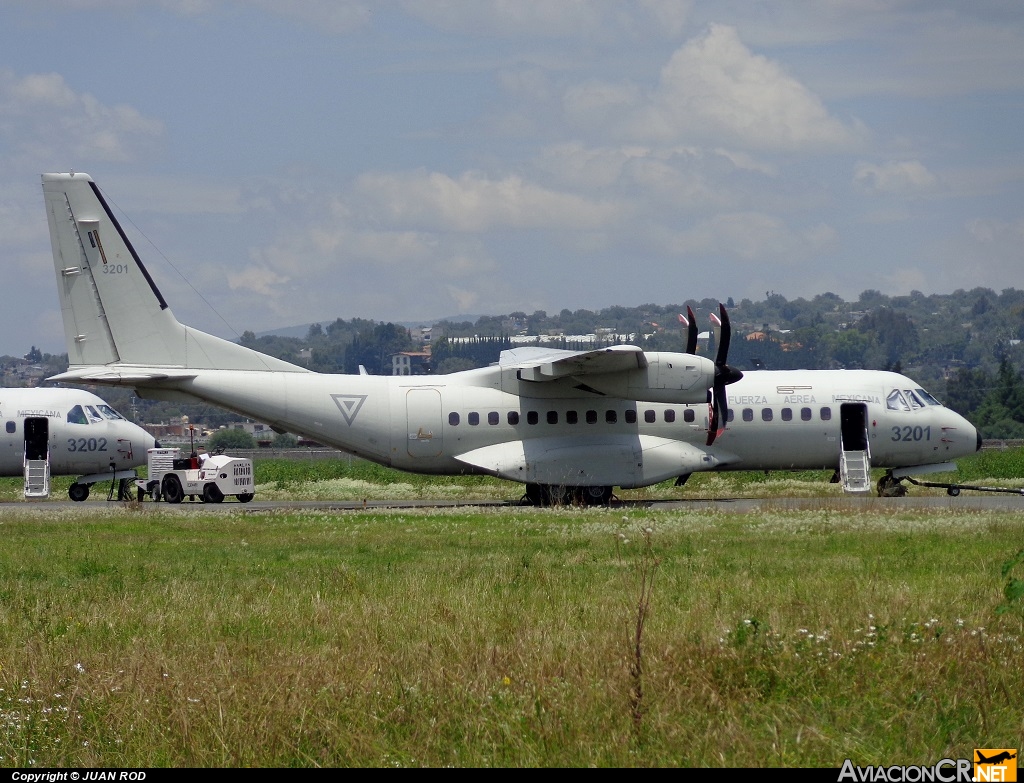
(550, 364)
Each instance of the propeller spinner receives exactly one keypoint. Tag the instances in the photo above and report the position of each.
(724, 375)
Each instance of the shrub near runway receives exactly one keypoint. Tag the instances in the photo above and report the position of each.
(133, 636)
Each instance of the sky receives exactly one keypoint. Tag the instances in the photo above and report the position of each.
(279, 163)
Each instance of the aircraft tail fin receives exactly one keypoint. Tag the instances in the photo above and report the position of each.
(113, 311)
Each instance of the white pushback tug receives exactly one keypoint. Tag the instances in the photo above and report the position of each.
(210, 477)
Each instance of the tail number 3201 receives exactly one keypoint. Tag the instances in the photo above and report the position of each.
(906, 434)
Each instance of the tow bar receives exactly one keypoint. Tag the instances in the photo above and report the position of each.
(954, 489)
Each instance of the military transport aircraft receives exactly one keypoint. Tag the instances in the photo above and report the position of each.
(60, 432)
(567, 424)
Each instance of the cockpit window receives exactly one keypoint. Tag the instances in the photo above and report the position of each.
(927, 397)
(77, 416)
(109, 412)
(94, 415)
(896, 402)
(913, 399)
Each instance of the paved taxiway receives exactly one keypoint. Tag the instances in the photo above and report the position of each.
(965, 502)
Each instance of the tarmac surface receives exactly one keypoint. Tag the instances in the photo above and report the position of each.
(966, 501)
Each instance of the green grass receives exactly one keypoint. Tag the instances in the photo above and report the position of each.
(137, 635)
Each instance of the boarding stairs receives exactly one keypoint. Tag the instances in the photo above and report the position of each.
(37, 478)
(855, 471)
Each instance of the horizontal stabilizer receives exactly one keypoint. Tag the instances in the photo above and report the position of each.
(120, 375)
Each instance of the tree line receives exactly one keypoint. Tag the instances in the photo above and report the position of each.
(965, 347)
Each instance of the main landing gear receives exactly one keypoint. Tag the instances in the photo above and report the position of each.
(561, 495)
(891, 487)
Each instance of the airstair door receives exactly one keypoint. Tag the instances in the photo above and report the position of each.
(855, 458)
(423, 414)
(37, 457)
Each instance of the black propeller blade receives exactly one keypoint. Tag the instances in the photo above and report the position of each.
(690, 322)
(724, 375)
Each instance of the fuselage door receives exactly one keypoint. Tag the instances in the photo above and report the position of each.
(853, 419)
(423, 415)
(37, 433)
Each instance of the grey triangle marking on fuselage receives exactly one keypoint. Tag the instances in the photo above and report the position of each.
(349, 405)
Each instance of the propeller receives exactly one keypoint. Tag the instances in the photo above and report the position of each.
(724, 375)
(689, 321)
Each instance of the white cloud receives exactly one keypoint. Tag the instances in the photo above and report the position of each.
(715, 89)
(752, 237)
(899, 177)
(592, 19)
(44, 120)
(257, 279)
(475, 203)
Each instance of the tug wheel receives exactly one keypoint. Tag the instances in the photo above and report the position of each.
(212, 494)
(172, 491)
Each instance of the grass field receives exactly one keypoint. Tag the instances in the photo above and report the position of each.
(137, 635)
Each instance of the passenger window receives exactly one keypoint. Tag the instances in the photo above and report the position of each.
(766, 414)
(611, 417)
(826, 414)
(11, 427)
(572, 417)
(748, 414)
(513, 418)
(473, 419)
(895, 401)
(552, 417)
(631, 416)
(670, 415)
(76, 416)
(805, 414)
(650, 416)
(787, 414)
(591, 417)
(689, 415)
(730, 414)
(453, 419)
(493, 417)
(532, 417)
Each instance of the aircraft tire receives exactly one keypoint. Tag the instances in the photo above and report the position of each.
(535, 494)
(172, 491)
(212, 494)
(557, 494)
(78, 492)
(596, 496)
(245, 497)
